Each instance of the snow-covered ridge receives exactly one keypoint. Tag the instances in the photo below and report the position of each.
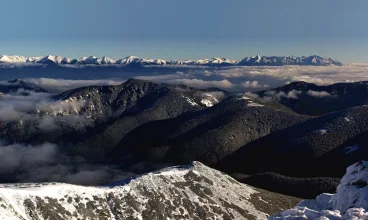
(184, 192)
(349, 202)
(132, 60)
(287, 60)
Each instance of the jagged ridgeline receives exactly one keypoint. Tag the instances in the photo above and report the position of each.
(139, 62)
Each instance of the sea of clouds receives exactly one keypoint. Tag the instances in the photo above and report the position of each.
(251, 78)
(239, 78)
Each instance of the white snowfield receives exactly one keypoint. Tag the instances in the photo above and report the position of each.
(205, 99)
(186, 192)
(349, 202)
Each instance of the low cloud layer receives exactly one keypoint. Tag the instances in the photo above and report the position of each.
(293, 94)
(254, 85)
(61, 85)
(272, 95)
(15, 106)
(45, 163)
(238, 79)
(199, 83)
(318, 94)
(253, 78)
(41, 112)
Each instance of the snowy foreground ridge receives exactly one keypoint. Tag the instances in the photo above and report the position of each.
(186, 192)
(349, 202)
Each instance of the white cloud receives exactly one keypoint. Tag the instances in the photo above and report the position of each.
(293, 94)
(272, 95)
(248, 78)
(207, 73)
(45, 163)
(15, 106)
(61, 85)
(253, 84)
(43, 112)
(318, 94)
(278, 75)
(312, 79)
(47, 124)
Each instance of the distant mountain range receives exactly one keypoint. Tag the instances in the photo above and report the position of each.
(138, 62)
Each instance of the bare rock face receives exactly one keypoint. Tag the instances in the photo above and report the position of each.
(183, 192)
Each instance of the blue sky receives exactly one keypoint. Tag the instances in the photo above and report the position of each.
(185, 29)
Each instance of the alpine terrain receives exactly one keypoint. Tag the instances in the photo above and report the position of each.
(185, 192)
(94, 137)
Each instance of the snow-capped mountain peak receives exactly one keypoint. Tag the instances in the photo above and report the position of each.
(287, 60)
(136, 61)
(51, 59)
(12, 59)
(127, 60)
(258, 57)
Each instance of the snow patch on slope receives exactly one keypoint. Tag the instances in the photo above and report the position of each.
(321, 131)
(190, 101)
(250, 102)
